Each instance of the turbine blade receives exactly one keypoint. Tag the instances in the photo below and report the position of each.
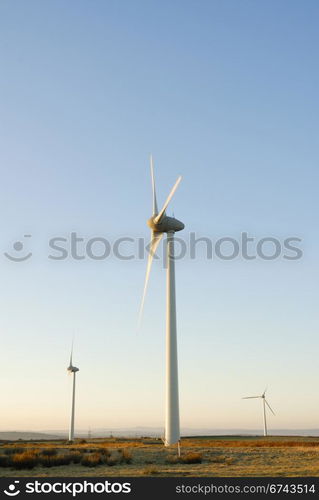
(251, 397)
(155, 209)
(155, 240)
(71, 354)
(170, 196)
(269, 407)
(265, 391)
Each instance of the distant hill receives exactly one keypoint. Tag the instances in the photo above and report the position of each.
(158, 432)
(26, 436)
(137, 432)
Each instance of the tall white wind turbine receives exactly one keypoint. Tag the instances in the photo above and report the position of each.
(159, 224)
(264, 403)
(72, 371)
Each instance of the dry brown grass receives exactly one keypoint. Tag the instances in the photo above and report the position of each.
(187, 458)
(191, 458)
(92, 459)
(255, 442)
(139, 457)
(126, 455)
(172, 459)
(150, 471)
(49, 452)
(25, 460)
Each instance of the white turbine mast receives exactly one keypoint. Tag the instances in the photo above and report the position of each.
(159, 224)
(72, 371)
(264, 403)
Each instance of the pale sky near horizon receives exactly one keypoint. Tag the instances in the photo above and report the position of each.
(223, 93)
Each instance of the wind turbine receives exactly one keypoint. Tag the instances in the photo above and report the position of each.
(72, 371)
(159, 224)
(264, 403)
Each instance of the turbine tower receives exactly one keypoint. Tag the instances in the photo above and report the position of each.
(159, 224)
(264, 403)
(72, 371)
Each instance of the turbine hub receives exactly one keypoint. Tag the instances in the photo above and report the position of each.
(73, 369)
(165, 225)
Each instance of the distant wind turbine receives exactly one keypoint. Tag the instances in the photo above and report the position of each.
(264, 403)
(159, 224)
(72, 371)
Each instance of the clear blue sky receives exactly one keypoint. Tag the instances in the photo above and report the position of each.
(224, 93)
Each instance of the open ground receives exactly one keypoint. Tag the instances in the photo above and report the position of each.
(200, 456)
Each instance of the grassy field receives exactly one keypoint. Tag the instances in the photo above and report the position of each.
(200, 456)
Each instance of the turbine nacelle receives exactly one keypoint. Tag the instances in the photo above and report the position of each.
(72, 369)
(165, 225)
